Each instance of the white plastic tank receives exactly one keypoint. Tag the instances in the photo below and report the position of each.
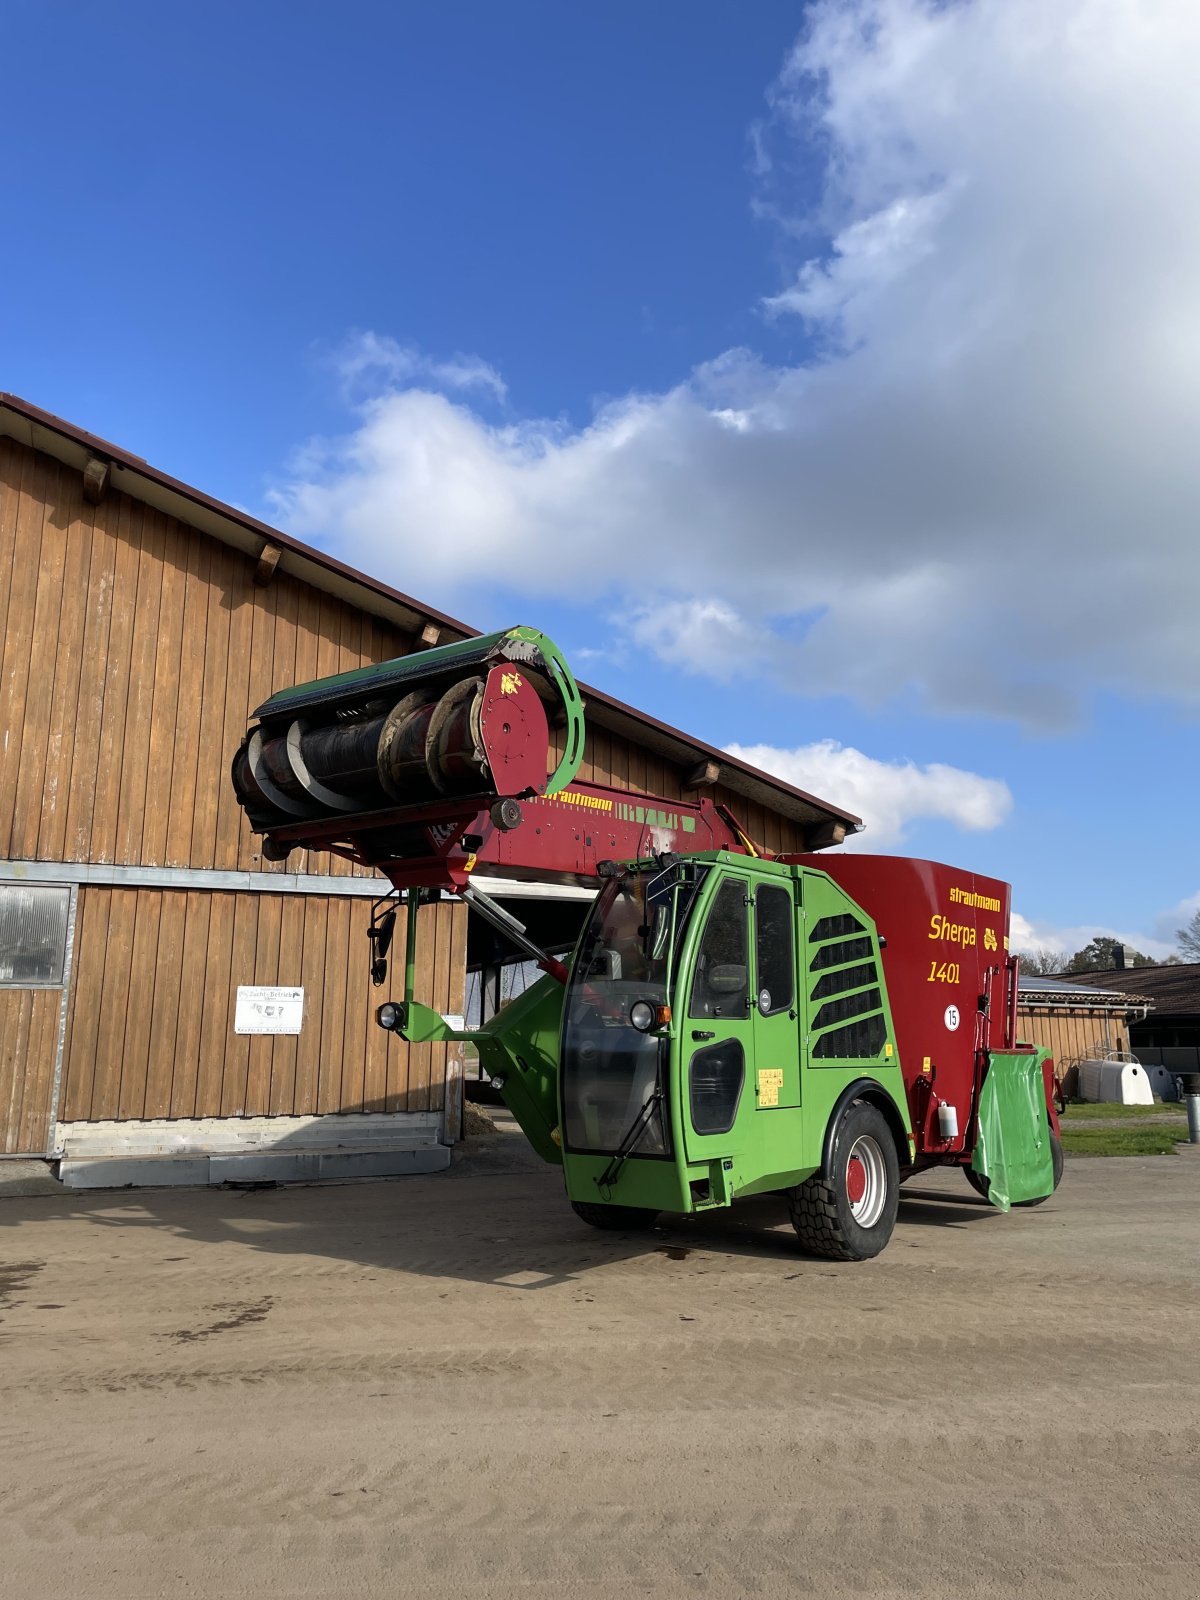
(1122, 1083)
(1164, 1085)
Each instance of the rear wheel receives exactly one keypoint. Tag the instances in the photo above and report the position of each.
(1056, 1157)
(979, 1182)
(849, 1213)
(614, 1219)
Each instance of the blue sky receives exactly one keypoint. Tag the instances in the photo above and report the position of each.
(819, 376)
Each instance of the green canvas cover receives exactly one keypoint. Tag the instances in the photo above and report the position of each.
(1013, 1148)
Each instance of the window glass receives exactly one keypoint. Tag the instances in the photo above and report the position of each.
(846, 978)
(857, 1041)
(836, 955)
(773, 949)
(851, 1005)
(721, 986)
(610, 1071)
(33, 936)
(835, 928)
(716, 1078)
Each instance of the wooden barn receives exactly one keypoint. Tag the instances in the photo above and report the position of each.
(1076, 1020)
(1167, 1031)
(142, 623)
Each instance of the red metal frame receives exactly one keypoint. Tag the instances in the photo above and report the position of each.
(561, 838)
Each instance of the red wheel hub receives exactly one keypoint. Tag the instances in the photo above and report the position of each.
(856, 1180)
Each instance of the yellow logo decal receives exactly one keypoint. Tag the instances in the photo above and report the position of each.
(989, 939)
(590, 802)
(510, 682)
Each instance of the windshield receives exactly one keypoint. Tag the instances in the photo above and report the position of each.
(627, 953)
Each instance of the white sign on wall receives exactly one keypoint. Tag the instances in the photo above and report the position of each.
(266, 1010)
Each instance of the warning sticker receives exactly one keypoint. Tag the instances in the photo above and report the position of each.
(770, 1082)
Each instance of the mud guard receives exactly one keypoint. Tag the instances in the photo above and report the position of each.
(869, 1089)
(519, 1052)
(1012, 1149)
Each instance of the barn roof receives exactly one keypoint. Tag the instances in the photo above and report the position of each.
(132, 475)
(1060, 993)
(1173, 990)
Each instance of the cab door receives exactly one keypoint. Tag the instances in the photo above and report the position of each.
(775, 1011)
(718, 1090)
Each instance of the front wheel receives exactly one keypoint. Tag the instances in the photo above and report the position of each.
(849, 1213)
(614, 1219)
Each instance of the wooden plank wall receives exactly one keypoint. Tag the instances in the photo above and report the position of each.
(150, 1020)
(28, 1041)
(135, 649)
(1072, 1035)
(623, 764)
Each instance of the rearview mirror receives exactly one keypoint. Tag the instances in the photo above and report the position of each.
(380, 934)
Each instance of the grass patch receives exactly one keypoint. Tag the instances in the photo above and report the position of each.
(1118, 1141)
(1083, 1110)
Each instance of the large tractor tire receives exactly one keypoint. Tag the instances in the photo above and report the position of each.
(979, 1182)
(848, 1214)
(614, 1219)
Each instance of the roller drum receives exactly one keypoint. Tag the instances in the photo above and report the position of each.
(400, 755)
(343, 757)
(454, 748)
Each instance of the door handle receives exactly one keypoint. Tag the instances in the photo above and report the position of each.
(700, 1033)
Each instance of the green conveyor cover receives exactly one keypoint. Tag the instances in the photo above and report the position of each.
(1013, 1148)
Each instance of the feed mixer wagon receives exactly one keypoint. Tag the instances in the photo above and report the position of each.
(729, 1023)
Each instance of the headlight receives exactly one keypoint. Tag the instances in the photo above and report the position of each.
(389, 1015)
(643, 1015)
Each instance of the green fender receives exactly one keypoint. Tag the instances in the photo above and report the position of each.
(518, 1048)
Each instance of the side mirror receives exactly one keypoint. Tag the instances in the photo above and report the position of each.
(380, 934)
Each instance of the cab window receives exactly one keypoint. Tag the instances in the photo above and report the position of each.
(773, 950)
(721, 985)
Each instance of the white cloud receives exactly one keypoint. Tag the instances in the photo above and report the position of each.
(1030, 935)
(1168, 923)
(888, 795)
(370, 360)
(981, 493)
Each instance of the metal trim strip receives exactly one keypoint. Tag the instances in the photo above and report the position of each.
(105, 875)
(64, 1007)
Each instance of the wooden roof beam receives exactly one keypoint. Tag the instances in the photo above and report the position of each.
(95, 480)
(703, 776)
(268, 560)
(825, 835)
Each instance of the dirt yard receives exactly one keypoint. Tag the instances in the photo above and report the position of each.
(448, 1386)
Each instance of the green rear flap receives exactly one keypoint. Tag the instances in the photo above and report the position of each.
(1013, 1148)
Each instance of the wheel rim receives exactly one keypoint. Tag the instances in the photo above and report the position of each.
(866, 1181)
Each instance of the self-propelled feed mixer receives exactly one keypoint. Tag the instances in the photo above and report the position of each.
(729, 1023)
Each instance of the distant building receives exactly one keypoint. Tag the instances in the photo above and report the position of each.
(1077, 1021)
(1168, 1031)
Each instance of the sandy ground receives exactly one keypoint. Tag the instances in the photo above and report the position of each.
(448, 1386)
